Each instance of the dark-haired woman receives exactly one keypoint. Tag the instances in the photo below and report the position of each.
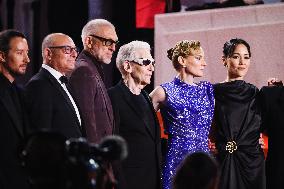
(236, 127)
(186, 107)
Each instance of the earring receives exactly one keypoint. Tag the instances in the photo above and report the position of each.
(184, 66)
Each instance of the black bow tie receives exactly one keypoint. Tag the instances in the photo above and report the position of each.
(63, 79)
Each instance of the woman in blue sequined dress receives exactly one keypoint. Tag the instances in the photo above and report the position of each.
(186, 107)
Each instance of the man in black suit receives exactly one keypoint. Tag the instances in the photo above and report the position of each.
(272, 101)
(50, 104)
(135, 118)
(13, 62)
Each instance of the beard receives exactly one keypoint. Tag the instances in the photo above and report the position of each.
(13, 72)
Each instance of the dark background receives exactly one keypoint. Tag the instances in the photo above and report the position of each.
(37, 18)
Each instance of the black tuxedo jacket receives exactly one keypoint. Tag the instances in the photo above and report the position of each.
(12, 132)
(141, 169)
(272, 101)
(49, 107)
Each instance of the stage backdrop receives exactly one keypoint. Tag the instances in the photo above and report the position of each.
(261, 25)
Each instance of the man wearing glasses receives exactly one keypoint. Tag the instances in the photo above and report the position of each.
(136, 119)
(50, 104)
(87, 80)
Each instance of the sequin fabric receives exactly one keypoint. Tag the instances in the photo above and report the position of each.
(187, 115)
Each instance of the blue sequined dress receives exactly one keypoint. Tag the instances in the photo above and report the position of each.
(187, 115)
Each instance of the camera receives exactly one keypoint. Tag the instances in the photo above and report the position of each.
(52, 161)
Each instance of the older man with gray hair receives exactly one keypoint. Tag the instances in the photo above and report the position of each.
(87, 80)
(135, 118)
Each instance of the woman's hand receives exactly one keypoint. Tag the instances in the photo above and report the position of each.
(261, 141)
(212, 147)
(273, 81)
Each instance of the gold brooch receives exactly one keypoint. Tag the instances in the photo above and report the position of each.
(231, 146)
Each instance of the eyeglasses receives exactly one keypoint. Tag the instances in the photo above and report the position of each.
(106, 42)
(66, 49)
(143, 62)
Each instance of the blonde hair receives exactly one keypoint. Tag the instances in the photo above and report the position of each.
(183, 48)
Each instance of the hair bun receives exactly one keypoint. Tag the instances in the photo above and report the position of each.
(170, 53)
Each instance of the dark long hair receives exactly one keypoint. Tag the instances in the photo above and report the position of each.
(230, 46)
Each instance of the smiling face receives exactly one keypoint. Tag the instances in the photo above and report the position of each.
(57, 57)
(195, 63)
(15, 61)
(238, 63)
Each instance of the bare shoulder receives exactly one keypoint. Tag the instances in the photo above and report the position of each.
(158, 97)
(158, 93)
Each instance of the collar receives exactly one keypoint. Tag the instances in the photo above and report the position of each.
(4, 80)
(98, 64)
(52, 71)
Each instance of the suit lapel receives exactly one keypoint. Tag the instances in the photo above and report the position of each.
(104, 93)
(101, 87)
(9, 105)
(157, 125)
(127, 97)
(57, 85)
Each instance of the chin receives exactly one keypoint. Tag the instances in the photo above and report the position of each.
(199, 75)
(19, 72)
(72, 65)
(23, 71)
(242, 74)
(107, 61)
(70, 69)
(145, 83)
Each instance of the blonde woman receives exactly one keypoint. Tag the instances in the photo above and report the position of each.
(186, 107)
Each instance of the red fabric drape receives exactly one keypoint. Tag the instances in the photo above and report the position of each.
(146, 10)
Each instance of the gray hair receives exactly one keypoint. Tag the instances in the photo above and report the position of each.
(128, 52)
(93, 26)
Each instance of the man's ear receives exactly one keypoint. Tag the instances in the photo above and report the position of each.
(47, 53)
(2, 56)
(127, 67)
(88, 42)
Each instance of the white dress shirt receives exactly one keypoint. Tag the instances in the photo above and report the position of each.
(57, 75)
